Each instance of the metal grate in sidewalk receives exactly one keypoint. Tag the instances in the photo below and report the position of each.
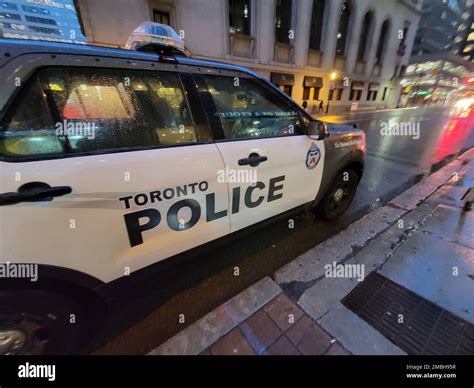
(410, 321)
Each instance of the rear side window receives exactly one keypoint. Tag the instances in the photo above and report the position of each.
(76, 110)
(247, 110)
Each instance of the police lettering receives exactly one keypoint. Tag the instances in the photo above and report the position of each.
(143, 220)
(166, 194)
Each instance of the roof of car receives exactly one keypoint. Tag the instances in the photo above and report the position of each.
(10, 48)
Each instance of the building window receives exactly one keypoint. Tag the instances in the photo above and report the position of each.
(384, 93)
(283, 21)
(355, 95)
(287, 89)
(161, 17)
(356, 90)
(405, 32)
(8, 5)
(373, 91)
(239, 17)
(44, 30)
(316, 93)
(343, 29)
(11, 16)
(36, 19)
(306, 93)
(317, 16)
(338, 92)
(28, 8)
(382, 41)
(361, 54)
(283, 81)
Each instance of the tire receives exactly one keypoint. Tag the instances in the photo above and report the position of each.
(339, 195)
(39, 322)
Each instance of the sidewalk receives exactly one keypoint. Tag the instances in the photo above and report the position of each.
(398, 281)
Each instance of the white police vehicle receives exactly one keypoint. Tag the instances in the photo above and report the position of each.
(110, 162)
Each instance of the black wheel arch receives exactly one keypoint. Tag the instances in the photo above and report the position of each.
(77, 285)
(351, 161)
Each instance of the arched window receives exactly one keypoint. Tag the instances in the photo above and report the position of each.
(343, 28)
(239, 17)
(283, 20)
(317, 17)
(382, 41)
(364, 36)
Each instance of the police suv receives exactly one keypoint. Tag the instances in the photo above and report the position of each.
(112, 160)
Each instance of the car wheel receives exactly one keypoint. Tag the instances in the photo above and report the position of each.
(40, 322)
(339, 195)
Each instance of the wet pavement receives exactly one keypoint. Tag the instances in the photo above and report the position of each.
(182, 290)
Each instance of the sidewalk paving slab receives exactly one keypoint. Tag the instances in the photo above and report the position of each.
(356, 335)
(200, 335)
(452, 224)
(438, 270)
(279, 328)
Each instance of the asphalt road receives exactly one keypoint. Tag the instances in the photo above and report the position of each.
(149, 311)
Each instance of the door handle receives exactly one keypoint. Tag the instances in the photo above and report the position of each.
(32, 192)
(253, 160)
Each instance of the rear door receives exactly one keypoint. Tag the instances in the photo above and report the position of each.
(271, 165)
(125, 144)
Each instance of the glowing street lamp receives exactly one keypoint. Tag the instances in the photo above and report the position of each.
(332, 77)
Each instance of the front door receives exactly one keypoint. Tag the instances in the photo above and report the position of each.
(271, 165)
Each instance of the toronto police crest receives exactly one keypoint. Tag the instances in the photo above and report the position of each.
(313, 156)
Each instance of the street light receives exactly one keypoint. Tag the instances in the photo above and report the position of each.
(332, 77)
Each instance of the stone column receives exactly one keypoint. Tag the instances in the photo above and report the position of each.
(374, 41)
(353, 41)
(303, 26)
(329, 40)
(266, 31)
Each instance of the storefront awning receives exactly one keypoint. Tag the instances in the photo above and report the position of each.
(357, 85)
(374, 87)
(282, 79)
(312, 82)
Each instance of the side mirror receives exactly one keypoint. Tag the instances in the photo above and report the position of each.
(317, 130)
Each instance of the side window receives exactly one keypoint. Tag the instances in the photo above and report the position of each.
(247, 110)
(75, 110)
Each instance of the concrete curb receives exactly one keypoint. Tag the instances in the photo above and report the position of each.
(197, 337)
